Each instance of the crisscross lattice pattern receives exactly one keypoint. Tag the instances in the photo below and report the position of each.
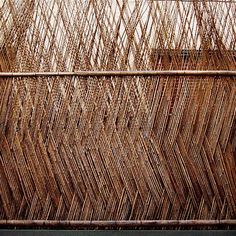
(73, 35)
(117, 148)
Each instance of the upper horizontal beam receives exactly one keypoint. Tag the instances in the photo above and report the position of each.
(124, 73)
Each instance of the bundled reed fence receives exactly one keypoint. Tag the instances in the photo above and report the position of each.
(72, 35)
(138, 125)
(117, 147)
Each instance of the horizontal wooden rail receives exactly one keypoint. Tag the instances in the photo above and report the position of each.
(123, 223)
(124, 73)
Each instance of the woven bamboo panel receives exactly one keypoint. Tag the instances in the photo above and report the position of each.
(59, 35)
(117, 148)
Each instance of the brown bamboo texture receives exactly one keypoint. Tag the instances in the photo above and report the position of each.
(117, 148)
(77, 35)
(127, 113)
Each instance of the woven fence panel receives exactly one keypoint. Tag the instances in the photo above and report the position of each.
(117, 148)
(72, 35)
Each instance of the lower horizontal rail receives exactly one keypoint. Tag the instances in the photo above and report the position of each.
(123, 223)
(125, 73)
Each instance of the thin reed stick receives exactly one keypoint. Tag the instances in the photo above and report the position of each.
(125, 73)
(122, 223)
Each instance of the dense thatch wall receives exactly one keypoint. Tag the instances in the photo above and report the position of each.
(76, 147)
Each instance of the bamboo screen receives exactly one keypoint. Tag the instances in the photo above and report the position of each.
(59, 35)
(117, 147)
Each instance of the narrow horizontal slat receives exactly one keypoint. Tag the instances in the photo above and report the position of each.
(123, 223)
(125, 73)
